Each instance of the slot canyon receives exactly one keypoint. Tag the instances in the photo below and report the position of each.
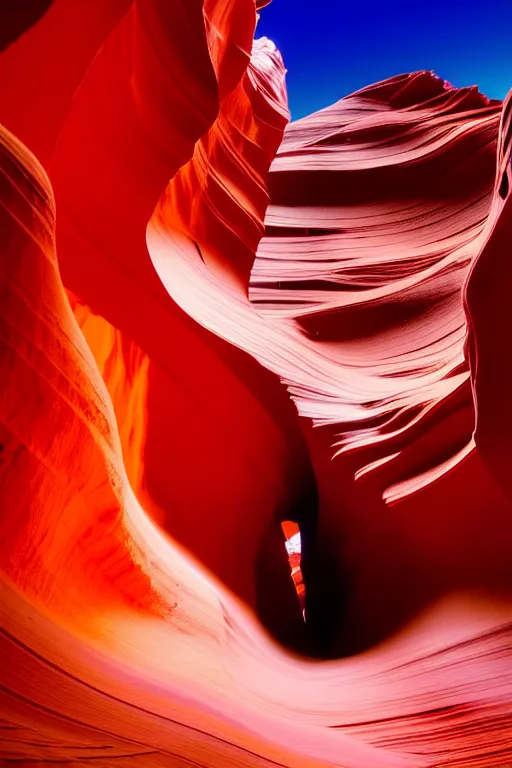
(255, 417)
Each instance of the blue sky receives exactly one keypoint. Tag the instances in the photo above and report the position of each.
(333, 47)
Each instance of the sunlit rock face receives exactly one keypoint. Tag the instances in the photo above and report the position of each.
(216, 330)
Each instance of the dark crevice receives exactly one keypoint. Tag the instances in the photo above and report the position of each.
(307, 618)
(504, 186)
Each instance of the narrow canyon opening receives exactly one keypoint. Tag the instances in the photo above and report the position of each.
(293, 548)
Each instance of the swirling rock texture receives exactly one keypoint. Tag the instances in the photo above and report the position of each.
(213, 324)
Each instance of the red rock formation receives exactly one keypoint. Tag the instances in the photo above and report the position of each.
(487, 312)
(144, 394)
